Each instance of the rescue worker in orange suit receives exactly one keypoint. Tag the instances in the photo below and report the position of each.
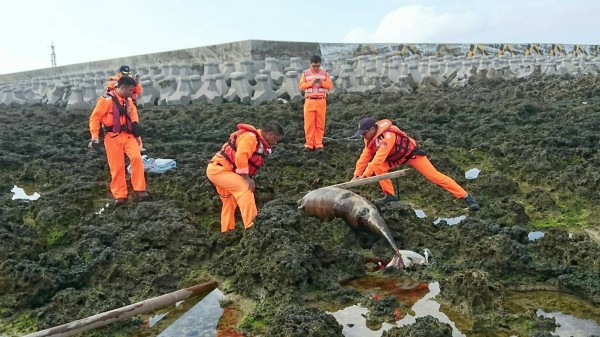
(114, 80)
(232, 168)
(315, 82)
(117, 115)
(387, 147)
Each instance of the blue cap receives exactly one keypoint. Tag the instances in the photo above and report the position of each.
(365, 125)
(124, 70)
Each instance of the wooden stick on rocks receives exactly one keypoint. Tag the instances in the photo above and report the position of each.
(108, 317)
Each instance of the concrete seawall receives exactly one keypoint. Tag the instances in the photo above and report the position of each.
(234, 51)
(257, 72)
(283, 50)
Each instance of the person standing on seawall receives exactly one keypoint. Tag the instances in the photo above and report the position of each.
(315, 82)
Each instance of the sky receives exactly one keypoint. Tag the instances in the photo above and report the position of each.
(89, 30)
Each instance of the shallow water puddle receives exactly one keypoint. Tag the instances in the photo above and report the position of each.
(420, 213)
(574, 316)
(472, 173)
(417, 296)
(200, 320)
(20, 194)
(153, 320)
(532, 236)
(197, 316)
(568, 325)
(450, 221)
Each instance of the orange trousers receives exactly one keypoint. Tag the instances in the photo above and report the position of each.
(424, 166)
(116, 149)
(234, 192)
(314, 122)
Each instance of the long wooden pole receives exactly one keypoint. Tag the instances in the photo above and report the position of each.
(108, 317)
(372, 179)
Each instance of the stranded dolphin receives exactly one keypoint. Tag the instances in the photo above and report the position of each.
(331, 202)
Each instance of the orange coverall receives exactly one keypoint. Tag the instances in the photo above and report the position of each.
(114, 80)
(231, 186)
(315, 107)
(117, 145)
(373, 161)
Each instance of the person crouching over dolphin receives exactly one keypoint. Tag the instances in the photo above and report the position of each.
(232, 168)
(386, 147)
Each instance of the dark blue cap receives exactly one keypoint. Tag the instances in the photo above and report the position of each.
(124, 70)
(365, 125)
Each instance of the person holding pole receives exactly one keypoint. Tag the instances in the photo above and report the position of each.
(387, 147)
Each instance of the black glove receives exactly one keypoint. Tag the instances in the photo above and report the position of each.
(95, 144)
(137, 130)
(419, 151)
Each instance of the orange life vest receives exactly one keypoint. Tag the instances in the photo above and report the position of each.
(403, 147)
(258, 157)
(120, 110)
(315, 92)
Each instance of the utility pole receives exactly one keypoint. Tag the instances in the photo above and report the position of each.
(53, 55)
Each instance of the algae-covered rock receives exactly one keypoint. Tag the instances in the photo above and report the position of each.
(427, 326)
(301, 322)
(472, 292)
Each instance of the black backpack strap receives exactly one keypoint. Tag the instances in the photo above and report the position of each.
(121, 107)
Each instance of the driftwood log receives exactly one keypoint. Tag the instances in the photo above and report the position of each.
(85, 324)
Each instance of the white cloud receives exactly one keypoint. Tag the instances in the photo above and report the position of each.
(418, 24)
(468, 21)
